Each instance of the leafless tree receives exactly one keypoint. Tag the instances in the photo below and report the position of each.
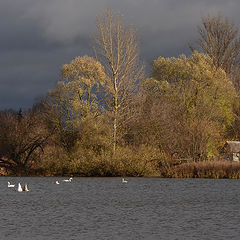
(218, 37)
(22, 140)
(117, 49)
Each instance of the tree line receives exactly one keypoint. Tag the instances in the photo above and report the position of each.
(105, 117)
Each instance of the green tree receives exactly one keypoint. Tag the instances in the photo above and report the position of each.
(75, 99)
(219, 38)
(191, 105)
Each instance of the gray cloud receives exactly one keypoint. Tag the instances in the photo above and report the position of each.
(37, 37)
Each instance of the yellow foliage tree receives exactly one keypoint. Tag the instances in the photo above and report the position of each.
(75, 99)
(192, 103)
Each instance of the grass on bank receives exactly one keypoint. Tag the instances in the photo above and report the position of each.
(212, 169)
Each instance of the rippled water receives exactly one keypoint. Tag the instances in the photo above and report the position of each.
(105, 208)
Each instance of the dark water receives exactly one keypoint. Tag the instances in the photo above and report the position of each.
(105, 208)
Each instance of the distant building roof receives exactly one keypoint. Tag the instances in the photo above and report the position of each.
(234, 145)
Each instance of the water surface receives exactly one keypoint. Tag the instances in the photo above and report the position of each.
(105, 208)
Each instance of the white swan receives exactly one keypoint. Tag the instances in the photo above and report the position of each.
(57, 182)
(124, 180)
(68, 180)
(10, 185)
(19, 187)
(25, 189)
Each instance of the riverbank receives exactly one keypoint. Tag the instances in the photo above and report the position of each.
(212, 169)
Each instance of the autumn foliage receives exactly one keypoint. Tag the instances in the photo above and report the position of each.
(104, 118)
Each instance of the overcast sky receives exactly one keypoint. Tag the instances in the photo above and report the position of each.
(38, 36)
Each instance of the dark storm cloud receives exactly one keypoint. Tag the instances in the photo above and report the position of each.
(37, 37)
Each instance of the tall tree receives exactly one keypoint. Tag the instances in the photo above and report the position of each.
(117, 48)
(189, 105)
(218, 37)
(75, 99)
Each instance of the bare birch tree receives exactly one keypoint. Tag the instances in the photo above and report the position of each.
(116, 48)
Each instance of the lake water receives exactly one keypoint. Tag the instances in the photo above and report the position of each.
(106, 208)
